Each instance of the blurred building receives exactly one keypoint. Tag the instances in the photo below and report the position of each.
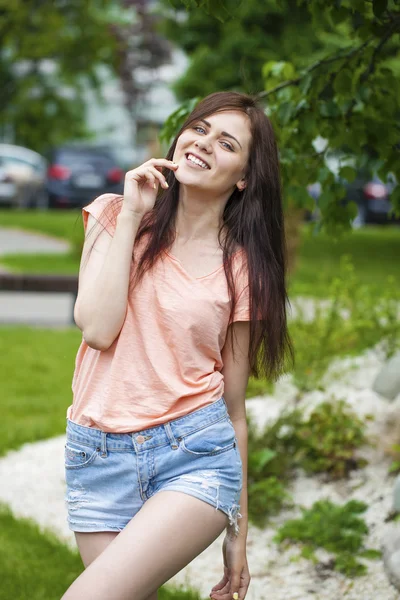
(133, 138)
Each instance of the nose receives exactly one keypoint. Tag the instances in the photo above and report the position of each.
(203, 144)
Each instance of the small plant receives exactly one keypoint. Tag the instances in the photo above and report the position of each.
(395, 452)
(267, 498)
(325, 442)
(269, 467)
(328, 439)
(337, 529)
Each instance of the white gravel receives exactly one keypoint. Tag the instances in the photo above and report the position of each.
(35, 488)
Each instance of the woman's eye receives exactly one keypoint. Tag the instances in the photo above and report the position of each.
(229, 146)
(198, 127)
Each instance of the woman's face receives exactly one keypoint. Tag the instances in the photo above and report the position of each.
(212, 153)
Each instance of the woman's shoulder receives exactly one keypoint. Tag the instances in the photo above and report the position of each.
(104, 209)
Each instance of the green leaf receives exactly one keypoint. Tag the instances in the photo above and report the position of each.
(175, 120)
(285, 112)
(379, 7)
(343, 82)
(305, 83)
(260, 458)
(280, 70)
(348, 173)
(329, 109)
(370, 553)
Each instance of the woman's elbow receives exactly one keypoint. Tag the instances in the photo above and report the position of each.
(96, 342)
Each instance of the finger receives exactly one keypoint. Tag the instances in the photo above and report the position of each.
(140, 176)
(159, 176)
(150, 179)
(223, 593)
(222, 585)
(162, 162)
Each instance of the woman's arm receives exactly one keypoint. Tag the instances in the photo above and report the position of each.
(236, 376)
(101, 304)
(241, 434)
(102, 300)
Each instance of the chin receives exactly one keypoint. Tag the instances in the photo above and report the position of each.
(189, 180)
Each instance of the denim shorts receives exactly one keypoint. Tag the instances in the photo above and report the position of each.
(110, 476)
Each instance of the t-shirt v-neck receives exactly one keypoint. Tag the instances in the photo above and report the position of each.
(178, 262)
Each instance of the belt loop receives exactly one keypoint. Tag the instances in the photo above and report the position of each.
(103, 444)
(171, 437)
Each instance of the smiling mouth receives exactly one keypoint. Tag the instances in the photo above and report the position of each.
(195, 160)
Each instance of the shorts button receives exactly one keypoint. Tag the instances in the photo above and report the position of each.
(174, 447)
(140, 439)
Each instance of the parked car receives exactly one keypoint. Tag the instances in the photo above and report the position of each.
(372, 197)
(27, 170)
(8, 188)
(77, 174)
(369, 193)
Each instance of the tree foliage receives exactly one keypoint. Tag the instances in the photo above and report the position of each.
(348, 97)
(50, 51)
(230, 54)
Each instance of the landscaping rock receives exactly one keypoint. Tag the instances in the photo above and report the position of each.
(387, 383)
(396, 495)
(391, 557)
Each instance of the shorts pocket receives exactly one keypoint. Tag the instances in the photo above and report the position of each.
(77, 455)
(214, 439)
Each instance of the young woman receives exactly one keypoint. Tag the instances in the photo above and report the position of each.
(181, 297)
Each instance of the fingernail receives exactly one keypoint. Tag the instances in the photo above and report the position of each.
(166, 184)
(235, 596)
(154, 186)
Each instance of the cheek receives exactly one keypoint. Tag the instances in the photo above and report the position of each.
(229, 168)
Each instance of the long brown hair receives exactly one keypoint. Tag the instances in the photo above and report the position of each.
(252, 219)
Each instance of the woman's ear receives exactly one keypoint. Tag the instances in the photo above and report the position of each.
(241, 185)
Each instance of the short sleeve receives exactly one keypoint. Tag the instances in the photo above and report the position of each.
(242, 309)
(105, 209)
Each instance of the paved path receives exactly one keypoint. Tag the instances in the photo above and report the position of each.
(30, 308)
(13, 241)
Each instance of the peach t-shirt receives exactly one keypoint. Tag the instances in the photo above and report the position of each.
(166, 361)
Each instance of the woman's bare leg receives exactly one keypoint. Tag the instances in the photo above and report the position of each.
(168, 532)
(91, 545)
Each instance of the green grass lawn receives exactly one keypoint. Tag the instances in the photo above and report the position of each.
(57, 264)
(374, 251)
(35, 370)
(66, 224)
(36, 565)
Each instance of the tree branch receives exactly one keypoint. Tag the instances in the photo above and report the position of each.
(316, 65)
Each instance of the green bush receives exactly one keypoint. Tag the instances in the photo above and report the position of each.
(266, 498)
(337, 529)
(328, 439)
(324, 442)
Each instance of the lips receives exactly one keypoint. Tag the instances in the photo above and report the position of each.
(197, 156)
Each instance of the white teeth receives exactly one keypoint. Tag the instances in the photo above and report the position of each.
(196, 161)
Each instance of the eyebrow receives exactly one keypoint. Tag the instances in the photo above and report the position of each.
(223, 132)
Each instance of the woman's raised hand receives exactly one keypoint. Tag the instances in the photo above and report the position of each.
(141, 185)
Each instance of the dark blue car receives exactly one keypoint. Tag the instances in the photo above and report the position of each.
(77, 175)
